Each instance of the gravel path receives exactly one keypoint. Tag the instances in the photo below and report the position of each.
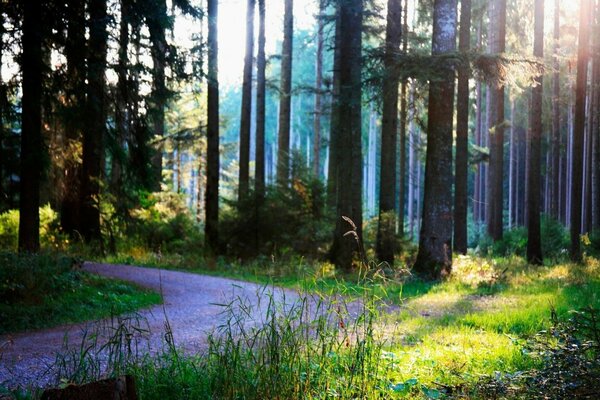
(190, 304)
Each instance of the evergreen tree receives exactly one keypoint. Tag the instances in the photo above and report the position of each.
(285, 95)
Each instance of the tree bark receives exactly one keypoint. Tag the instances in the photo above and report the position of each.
(578, 131)
(318, 111)
(386, 227)
(434, 258)
(348, 142)
(31, 133)
(75, 100)
(495, 195)
(93, 137)
(596, 124)
(555, 188)
(244, 172)
(211, 227)
(259, 174)
(157, 22)
(285, 96)
(403, 123)
(462, 135)
(534, 243)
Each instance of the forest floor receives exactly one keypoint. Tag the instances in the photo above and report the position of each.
(192, 307)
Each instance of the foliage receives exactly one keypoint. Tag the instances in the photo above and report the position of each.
(51, 238)
(163, 223)
(288, 218)
(44, 290)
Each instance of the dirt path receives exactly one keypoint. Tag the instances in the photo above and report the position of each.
(190, 304)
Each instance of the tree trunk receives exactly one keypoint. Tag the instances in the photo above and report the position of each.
(316, 164)
(578, 131)
(259, 174)
(211, 227)
(534, 243)
(555, 188)
(512, 172)
(495, 195)
(285, 96)
(462, 135)
(93, 138)
(157, 22)
(244, 172)
(31, 133)
(334, 127)
(389, 126)
(596, 124)
(434, 258)
(75, 100)
(403, 123)
(349, 150)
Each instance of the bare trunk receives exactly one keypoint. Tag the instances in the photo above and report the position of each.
(259, 174)
(285, 96)
(316, 165)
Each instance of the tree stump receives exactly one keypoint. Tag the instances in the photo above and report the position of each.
(121, 388)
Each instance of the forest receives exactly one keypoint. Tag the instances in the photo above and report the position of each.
(311, 199)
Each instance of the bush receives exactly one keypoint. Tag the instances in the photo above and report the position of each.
(287, 218)
(51, 236)
(163, 223)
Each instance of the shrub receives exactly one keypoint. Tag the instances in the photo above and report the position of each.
(51, 236)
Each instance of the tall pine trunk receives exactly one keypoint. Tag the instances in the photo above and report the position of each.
(555, 188)
(462, 135)
(596, 123)
(93, 137)
(534, 244)
(334, 127)
(318, 108)
(69, 207)
(31, 132)
(434, 258)
(246, 111)
(403, 122)
(579, 130)
(259, 174)
(348, 142)
(495, 192)
(285, 95)
(389, 126)
(157, 22)
(211, 227)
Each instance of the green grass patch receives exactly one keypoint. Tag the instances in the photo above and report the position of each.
(39, 291)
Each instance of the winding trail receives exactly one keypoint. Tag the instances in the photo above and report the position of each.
(192, 305)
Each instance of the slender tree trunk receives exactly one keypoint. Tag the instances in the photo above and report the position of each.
(555, 188)
(244, 172)
(534, 243)
(511, 168)
(578, 131)
(495, 195)
(156, 26)
(462, 135)
(259, 175)
(93, 137)
(70, 206)
(586, 220)
(316, 165)
(211, 227)
(389, 126)
(403, 123)
(334, 127)
(31, 133)
(285, 96)
(411, 173)
(434, 258)
(348, 143)
(596, 123)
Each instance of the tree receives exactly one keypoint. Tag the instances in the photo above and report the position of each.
(434, 258)
(555, 148)
(334, 128)
(318, 91)
(389, 126)
(403, 123)
(285, 95)
(534, 244)
(259, 174)
(347, 131)
(75, 102)
(93, 136)
(244, 173)
(495, 189)
(212, 137)
(595, 129)
(31, 134)
(578, 130)
(157, 22)
(462, 135)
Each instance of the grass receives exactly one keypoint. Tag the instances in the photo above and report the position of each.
(44, 291)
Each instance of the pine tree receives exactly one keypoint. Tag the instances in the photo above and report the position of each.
(285, 95)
